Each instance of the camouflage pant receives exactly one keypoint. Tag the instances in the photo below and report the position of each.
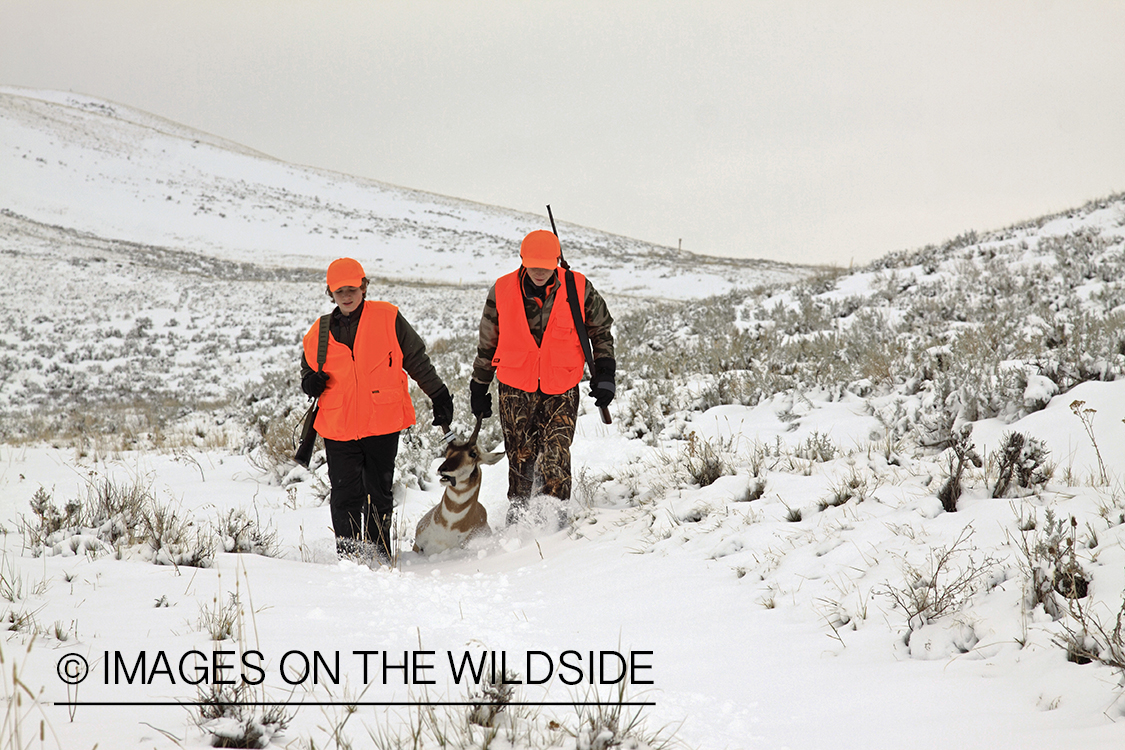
(538, 430)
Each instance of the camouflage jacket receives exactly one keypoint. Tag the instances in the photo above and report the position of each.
(598, 323)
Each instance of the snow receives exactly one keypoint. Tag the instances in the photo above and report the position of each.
(741, 625)
(127, 174)
(726, 670)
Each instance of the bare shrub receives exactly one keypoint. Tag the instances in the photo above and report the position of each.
(222, 621)
(1087, 638)
(1086, 416)
(24, 723)
(49, 518)
(702, 461)
(942, 587)
(962, 453)
(705, 460)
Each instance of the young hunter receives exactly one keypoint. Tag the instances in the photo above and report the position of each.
(529, 343)
(364, 403)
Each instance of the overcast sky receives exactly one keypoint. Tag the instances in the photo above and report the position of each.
(813, 132)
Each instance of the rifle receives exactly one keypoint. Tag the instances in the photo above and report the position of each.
(308, 432)
(576, 314)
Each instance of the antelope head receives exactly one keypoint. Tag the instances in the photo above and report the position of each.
(459, 471)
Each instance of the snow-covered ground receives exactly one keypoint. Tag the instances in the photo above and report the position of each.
(760, 610)
(754, 631)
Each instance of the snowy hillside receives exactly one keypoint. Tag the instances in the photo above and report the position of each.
(119, 174)
(875, 509)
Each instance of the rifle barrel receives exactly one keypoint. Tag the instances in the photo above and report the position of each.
(606, 419)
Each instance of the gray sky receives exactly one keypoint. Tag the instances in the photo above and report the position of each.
(812, 132)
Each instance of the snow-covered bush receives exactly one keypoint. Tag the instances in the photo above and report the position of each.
(125, 517)
(855, 486)
(1088, 638)
(491, 699)
(1021, 463)
(171, 538)
(416, 453)
(228, 714)
(1049, 563)
(646, 410)
(237, 531)
(986, 326)
(605, 724)
(112, 513)
(272, 411)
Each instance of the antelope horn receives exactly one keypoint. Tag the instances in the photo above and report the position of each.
(476, 430)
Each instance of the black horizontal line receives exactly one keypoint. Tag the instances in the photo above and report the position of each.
(298, 704)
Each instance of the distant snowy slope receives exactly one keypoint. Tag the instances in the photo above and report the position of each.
(107, 170)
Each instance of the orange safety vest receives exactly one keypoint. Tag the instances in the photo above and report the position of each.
(368, 393)
(556, 366)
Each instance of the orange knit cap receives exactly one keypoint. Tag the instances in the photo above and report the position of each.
(345, 272)
(540, 249)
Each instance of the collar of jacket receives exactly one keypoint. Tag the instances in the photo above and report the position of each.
(537, 293)
(343, 327)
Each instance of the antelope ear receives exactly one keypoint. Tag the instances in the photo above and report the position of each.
(491, 458)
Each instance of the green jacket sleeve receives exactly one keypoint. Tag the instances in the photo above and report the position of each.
(414, 358)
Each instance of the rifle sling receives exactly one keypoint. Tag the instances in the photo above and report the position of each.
(322, 343)
(579, 323)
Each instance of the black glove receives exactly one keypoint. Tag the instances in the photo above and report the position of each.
(314, 383)
(602, 384)
(443, 407)
(480, 400)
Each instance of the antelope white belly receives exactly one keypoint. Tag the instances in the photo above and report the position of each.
(433, 537)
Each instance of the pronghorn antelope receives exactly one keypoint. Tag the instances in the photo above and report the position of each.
(459, 516)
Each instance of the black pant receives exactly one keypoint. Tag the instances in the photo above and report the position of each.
(362, 474)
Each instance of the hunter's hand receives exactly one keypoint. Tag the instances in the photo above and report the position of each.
(443, 407)
(480, 400)
(314, 383)
(603, 385)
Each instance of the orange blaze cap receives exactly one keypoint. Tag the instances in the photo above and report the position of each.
(345, 272)
(540, 249)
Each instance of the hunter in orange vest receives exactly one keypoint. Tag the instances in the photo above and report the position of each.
(364, 402)
(368, 393)
(529, 343)
(519, 360)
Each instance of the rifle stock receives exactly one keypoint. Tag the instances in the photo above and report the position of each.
(308, 436)
(308, 432)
